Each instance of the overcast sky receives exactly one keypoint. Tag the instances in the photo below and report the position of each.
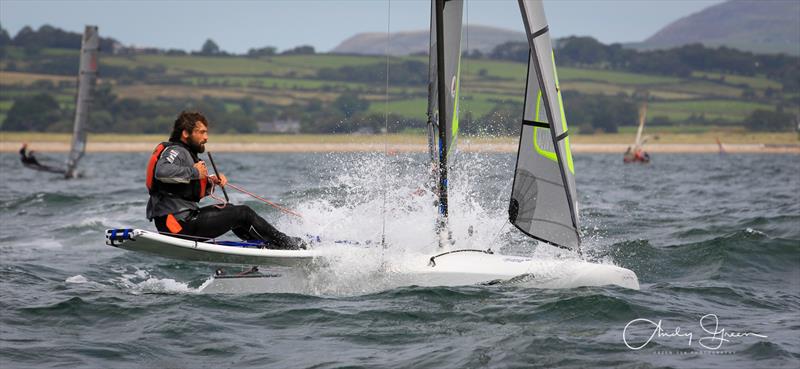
(239, 25)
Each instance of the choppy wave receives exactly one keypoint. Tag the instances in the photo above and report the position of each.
(704, 235)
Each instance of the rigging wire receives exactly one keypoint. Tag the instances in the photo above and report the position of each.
(222, 202)
(494, 239)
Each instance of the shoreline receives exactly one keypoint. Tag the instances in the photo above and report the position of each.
(262, 147)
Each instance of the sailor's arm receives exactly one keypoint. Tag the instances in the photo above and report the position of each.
(175, 166)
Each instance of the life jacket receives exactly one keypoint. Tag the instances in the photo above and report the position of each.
(193, 191)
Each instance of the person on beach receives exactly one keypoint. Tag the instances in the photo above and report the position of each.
(177, 179)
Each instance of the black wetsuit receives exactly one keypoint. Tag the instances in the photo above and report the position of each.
(175, 168)
(211, 222)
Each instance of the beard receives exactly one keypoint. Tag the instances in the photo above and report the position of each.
(196, 146)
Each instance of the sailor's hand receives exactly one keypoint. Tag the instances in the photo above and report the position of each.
(201, 167)
(219, 180)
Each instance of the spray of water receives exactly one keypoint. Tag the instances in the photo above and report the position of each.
(349, 208)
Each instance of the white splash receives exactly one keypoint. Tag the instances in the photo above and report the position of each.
(141, 282)
(756, 232)
(374, 198)
(78, 279)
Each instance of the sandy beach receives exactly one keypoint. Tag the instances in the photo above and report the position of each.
(96, 147)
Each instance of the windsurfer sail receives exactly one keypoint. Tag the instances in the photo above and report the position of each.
(444, 74)
(87, 78)
(637, 154)
(543, 200)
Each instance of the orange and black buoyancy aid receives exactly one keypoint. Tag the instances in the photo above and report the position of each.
(192, 191)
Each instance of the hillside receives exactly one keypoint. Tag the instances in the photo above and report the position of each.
(475, 37)
(766, 26)
(145, 91)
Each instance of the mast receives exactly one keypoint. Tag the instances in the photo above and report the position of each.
(444, 68)
(432, 82)
(87, 79)
(442, 113)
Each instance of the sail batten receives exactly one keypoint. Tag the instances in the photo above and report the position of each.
(543, 201)
(87, 79)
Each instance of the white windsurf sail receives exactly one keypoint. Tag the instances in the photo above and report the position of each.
(87, 79)
(642, 118)
(543, 200)
(445, 63)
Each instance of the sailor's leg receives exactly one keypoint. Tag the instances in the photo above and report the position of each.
(208, 222)
(254, 226)
(212, 222)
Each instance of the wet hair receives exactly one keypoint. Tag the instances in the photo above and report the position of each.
(186, 121)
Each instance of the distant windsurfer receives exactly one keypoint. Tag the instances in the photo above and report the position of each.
(29, 160)
(177, 179)
(27, 157)
(636, 155)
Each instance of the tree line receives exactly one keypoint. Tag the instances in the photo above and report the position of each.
(49, 36)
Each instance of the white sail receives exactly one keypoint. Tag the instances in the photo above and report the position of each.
(642, 118)
(87, 79)
(544, 201)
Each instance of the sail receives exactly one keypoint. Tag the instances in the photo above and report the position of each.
(543, 200)
(86, 81)
(445, 63)
(642, 118)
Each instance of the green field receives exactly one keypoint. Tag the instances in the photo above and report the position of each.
(412, 108)
(273, 83)
(622, 78)
(753, 82)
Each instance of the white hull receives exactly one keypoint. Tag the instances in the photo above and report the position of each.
(292, 271)
(457, 269)
(465, 268)
(177, 248)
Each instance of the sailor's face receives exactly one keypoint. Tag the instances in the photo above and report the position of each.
(198, 138)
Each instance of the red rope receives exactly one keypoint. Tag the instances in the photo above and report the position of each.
(222, 202)
(285, 210)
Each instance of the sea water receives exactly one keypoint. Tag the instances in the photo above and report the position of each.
(715, 241)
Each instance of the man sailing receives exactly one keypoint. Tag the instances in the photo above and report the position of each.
(29, 161)
(27, 156)
(177, 179)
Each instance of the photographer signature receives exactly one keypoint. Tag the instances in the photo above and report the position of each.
(709, 323)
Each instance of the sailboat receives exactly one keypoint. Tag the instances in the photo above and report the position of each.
(637, 153)
(721, 148)
(543, 202)
(87, 78)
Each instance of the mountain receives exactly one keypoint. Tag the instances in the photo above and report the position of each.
(475, 37)
(761, 26)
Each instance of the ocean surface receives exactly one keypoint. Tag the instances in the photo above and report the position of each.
(715, 241)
